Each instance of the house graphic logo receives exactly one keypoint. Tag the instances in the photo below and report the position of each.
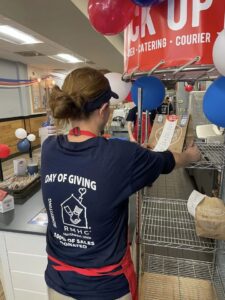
(74, 213)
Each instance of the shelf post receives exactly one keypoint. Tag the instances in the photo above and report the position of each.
(138, 196)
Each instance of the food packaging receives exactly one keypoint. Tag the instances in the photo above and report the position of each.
(209, 216)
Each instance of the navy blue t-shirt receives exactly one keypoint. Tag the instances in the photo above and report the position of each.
(86, 187)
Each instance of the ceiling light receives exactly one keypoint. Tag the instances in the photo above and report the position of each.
(15, 36)
(66, 58)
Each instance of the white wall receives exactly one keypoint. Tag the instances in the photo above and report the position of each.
(14, 102)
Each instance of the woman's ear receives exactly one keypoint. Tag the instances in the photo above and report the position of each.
(103, 109)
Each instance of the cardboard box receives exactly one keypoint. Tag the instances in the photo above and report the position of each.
(164, 128)
(6, 204)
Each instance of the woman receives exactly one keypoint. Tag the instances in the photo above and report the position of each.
(86, 183)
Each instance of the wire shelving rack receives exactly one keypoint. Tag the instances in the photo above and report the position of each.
(167, 223)
(180, 279)
(213, 156)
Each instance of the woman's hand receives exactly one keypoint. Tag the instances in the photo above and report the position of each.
(193, 154)
(132, 139)
(190, 155)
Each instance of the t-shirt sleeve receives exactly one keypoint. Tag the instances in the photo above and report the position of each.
(148, 165)
(131, 117)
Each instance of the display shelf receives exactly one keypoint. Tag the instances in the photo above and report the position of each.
(167, 223)
(169, 278)
(213, 156)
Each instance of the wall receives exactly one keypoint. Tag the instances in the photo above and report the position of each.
(14, 101)
(8, 127)
(15, 107)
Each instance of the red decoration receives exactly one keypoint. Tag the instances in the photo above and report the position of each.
(188, 88)
(129, 98)
(110, 17)
(4, 151)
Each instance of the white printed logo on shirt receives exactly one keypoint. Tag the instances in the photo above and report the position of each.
(74, 213)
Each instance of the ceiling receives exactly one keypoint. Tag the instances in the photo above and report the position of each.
(63, 26)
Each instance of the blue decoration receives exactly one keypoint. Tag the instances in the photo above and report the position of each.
(45, 124)
(23, 146)
(15, 80)
(153, 92)
(146, 2)
(214, 102)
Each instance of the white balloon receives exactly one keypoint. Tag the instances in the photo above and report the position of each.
(218, 53)
(118, 86)
(21, 133)
(31, 137)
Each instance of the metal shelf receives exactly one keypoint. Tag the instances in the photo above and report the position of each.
(187, 72)
(213, 156)
(167, 223)
(169, 278)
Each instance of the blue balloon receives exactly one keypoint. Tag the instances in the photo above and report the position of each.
(146, 2)
(214, 102)
(153, 92)
(45, 124)
(23, 146)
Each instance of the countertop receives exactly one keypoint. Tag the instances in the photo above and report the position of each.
(17, 220)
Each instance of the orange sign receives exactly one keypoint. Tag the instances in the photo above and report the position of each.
(175, 31)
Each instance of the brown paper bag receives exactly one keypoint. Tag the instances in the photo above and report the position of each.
(210, 218)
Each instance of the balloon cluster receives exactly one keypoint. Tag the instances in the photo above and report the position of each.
(24, 145)
(111, 17)
(214, 102)
(218, 53)
(118, 86)
(188, 87)
(147, 2)
(153, 92)
(4, 153)
(214, 99)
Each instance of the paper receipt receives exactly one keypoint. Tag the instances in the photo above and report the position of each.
(193, 201)
(166, 136)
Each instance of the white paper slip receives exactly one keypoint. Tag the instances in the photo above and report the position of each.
(166, 136)
(193, 201)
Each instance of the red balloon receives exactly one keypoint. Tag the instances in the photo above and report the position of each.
(188, 88)
(4, 151)
(129, 98)
(110, 17)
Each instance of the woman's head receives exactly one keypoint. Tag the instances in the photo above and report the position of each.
(84, 90)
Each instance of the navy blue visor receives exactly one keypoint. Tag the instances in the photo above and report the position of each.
(97, 102)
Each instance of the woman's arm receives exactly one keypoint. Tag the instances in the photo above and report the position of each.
(130, 131)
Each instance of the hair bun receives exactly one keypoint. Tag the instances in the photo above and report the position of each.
(80, 87)
(62, 105)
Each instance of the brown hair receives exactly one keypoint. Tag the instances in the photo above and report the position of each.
(80, 86)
